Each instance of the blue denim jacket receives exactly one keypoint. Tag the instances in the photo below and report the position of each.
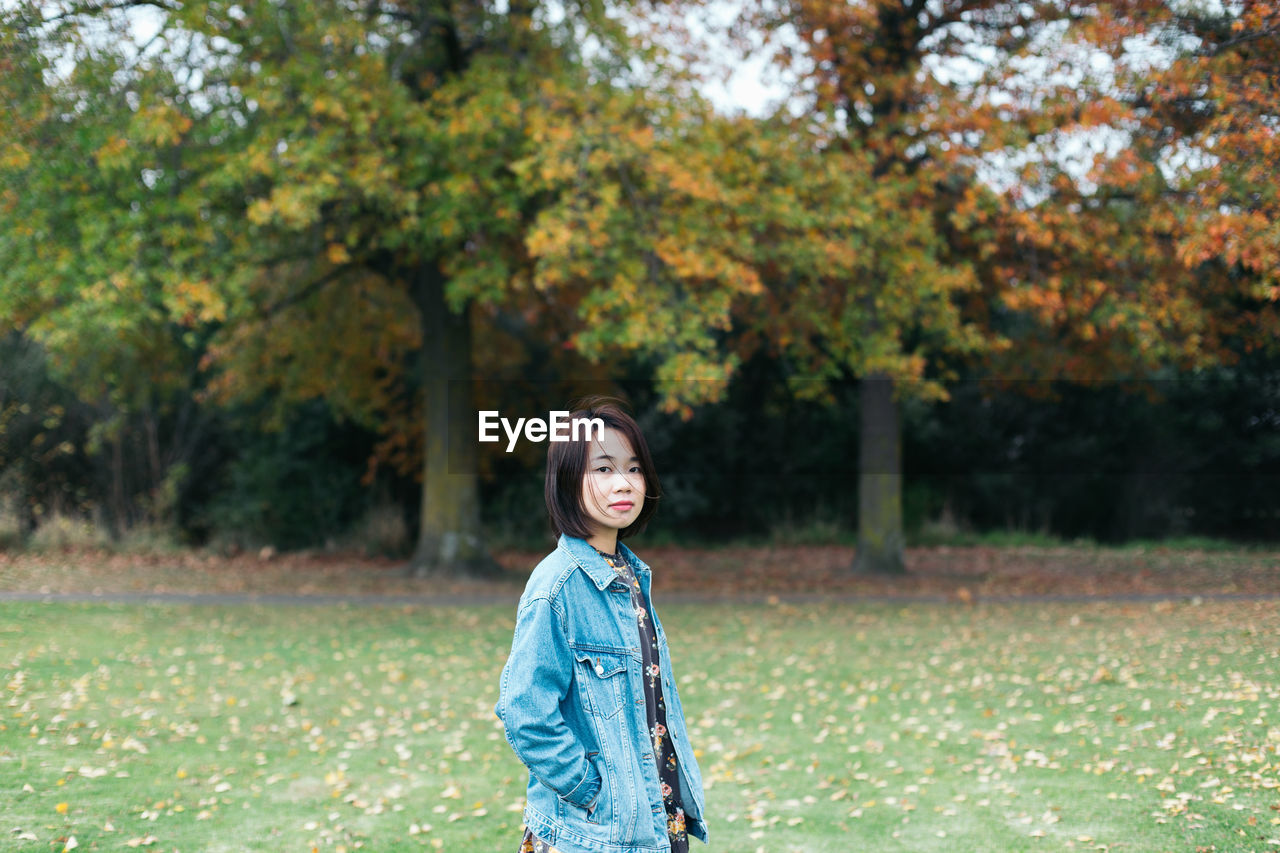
(571, 701)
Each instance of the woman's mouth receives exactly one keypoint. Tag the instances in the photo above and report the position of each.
(622, 506)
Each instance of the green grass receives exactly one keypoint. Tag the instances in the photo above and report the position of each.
(933, 536)
(821, 729)
(1197, 543)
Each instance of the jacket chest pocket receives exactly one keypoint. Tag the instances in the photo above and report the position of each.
(603, 676)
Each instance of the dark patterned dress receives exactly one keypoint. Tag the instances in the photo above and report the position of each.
(655, 708)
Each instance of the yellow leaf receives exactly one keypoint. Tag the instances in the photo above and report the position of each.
(113, 152)
(14, 157)
(338, 253)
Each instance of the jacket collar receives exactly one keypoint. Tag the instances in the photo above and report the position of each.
(590, 561)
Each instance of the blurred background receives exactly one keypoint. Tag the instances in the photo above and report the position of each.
(884, 273)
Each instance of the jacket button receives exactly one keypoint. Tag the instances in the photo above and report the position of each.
(599, 670)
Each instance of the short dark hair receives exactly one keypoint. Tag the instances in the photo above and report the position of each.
(567, 465)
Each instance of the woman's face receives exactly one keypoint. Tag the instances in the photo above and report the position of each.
(613, 487)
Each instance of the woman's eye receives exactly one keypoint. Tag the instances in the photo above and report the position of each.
(603, 469)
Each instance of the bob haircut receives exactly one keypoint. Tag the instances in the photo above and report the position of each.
(567, 466)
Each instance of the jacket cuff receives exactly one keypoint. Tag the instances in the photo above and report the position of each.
(584, 794)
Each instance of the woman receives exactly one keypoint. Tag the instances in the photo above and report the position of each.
(587, 697)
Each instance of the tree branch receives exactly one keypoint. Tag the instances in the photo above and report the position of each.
(1222, 47)
(306, 292)
(90, 9)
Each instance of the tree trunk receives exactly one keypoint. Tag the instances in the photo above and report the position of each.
(880, 538)
(449, 538)
(119, 511)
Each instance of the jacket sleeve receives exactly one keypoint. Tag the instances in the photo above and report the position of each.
(535, 679)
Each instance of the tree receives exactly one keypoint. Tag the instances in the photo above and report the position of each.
(80, 276)
(871, 97)
(1208, 112)
(979, 112)
(296, 181)
(858, 284)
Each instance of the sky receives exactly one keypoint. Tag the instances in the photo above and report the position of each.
(735, 83)
(752, 87)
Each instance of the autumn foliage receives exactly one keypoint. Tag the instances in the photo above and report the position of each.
(277, 203)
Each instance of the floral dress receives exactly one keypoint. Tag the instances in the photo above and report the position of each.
(656, 710)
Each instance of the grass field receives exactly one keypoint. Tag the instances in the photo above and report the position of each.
(824, 728)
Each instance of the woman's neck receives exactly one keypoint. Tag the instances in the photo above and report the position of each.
(605, 541)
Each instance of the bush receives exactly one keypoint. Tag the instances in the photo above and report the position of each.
(44, 430)
(294, 487)
(381, 531)
(57, 531)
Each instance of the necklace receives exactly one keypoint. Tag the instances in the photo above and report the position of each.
(614, 560)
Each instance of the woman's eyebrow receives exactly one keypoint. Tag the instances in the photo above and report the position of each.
(609, 458)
